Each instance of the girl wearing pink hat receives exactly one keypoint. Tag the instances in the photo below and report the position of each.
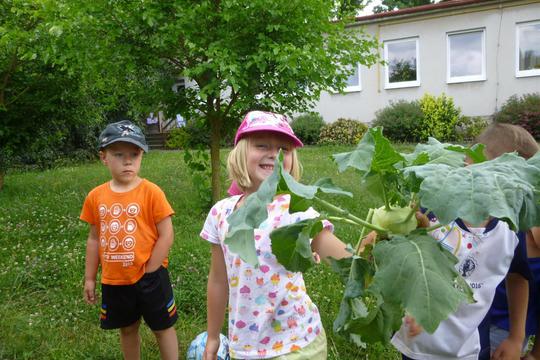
(270, 312)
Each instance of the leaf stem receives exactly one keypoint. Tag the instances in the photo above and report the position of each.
(385, 198)
(410, 215)
(326, 205)
(343, 220)
(363, 232)
(434, 227)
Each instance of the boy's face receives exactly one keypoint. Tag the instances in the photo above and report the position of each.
(262, 151)
(123, 160)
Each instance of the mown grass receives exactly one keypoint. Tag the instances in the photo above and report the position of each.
(42, 246)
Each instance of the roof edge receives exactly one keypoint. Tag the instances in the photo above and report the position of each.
(425, 9)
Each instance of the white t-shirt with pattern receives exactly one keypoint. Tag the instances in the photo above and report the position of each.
(270, 313)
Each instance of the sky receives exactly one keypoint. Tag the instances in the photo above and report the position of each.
(368, 10)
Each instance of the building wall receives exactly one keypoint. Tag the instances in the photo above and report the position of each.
(479, 98)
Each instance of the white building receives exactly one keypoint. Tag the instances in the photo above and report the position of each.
(480, 52)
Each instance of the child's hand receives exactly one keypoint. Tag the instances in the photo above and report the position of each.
(509, 349)
(90, 291)
(422, 219)
(212, 347)
(413, 328)
(369, 239)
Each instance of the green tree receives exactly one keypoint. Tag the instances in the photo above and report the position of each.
(402, 70)
(239, 55)
(53, 95)
(389, 5)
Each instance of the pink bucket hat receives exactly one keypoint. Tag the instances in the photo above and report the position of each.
(266, 121)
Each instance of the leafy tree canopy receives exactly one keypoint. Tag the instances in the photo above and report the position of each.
(389, 5)
(237, 55)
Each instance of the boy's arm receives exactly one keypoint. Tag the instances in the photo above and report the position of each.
(517, 289)
(91, 265)
(535, 234)
(162, 246)
(216, 301)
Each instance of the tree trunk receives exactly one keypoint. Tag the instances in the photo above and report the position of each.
(216, 123)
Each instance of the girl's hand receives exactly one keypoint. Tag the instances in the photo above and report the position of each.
(211, 349)
(369, 239)
(89, 292)
(413, 328)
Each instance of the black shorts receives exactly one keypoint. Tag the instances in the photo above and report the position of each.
(151, 297)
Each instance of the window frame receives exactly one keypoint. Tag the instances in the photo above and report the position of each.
(524, 73)
(402, 84)
(355, 88)
(467, 78)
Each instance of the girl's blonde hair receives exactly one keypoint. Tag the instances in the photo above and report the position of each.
(501, 138)
(237, 164)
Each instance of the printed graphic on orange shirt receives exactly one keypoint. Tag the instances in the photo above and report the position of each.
(117, 228)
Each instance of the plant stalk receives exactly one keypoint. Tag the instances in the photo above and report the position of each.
(385, 198)
(326, 205)
(363, 232)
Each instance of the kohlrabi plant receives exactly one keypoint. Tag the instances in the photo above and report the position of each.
(406, 271)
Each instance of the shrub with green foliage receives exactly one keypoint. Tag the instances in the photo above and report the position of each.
(177, 138)
(308, 127)
(342, 131)
(469, 127)
(523, 111)
(440, 117)
(401, 120)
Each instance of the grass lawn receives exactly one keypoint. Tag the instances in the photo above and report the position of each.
(42, 246)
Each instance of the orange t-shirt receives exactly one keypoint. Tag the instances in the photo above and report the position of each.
(126, 225)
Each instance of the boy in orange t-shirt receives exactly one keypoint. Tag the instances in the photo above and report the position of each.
(130, 236)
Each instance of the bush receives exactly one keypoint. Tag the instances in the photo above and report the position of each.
(177, 139)
(194, 135)
(401, 121)
(342, 131)
(308, 127)
(469, 127)
(440, 117)
(523, 111)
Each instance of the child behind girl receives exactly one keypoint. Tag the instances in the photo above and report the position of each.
(500, 139)
(486, 255)
(270, 313)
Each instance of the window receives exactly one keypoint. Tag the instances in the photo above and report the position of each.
(528, 49)
(180, 84)
(353, 82)
(402, 65)
(465, 56)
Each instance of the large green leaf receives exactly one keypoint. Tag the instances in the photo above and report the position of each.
(355, 272)
(374, 153)
(378, 162)
(502, 188)
(301, 194)
(368, 319)
(435, 152)
(416, 273)
(291, 244)
(243, 221)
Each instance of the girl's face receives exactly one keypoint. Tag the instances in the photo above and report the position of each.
(124, 162)
(263, 148)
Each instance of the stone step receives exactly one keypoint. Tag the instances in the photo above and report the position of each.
(156, 141)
